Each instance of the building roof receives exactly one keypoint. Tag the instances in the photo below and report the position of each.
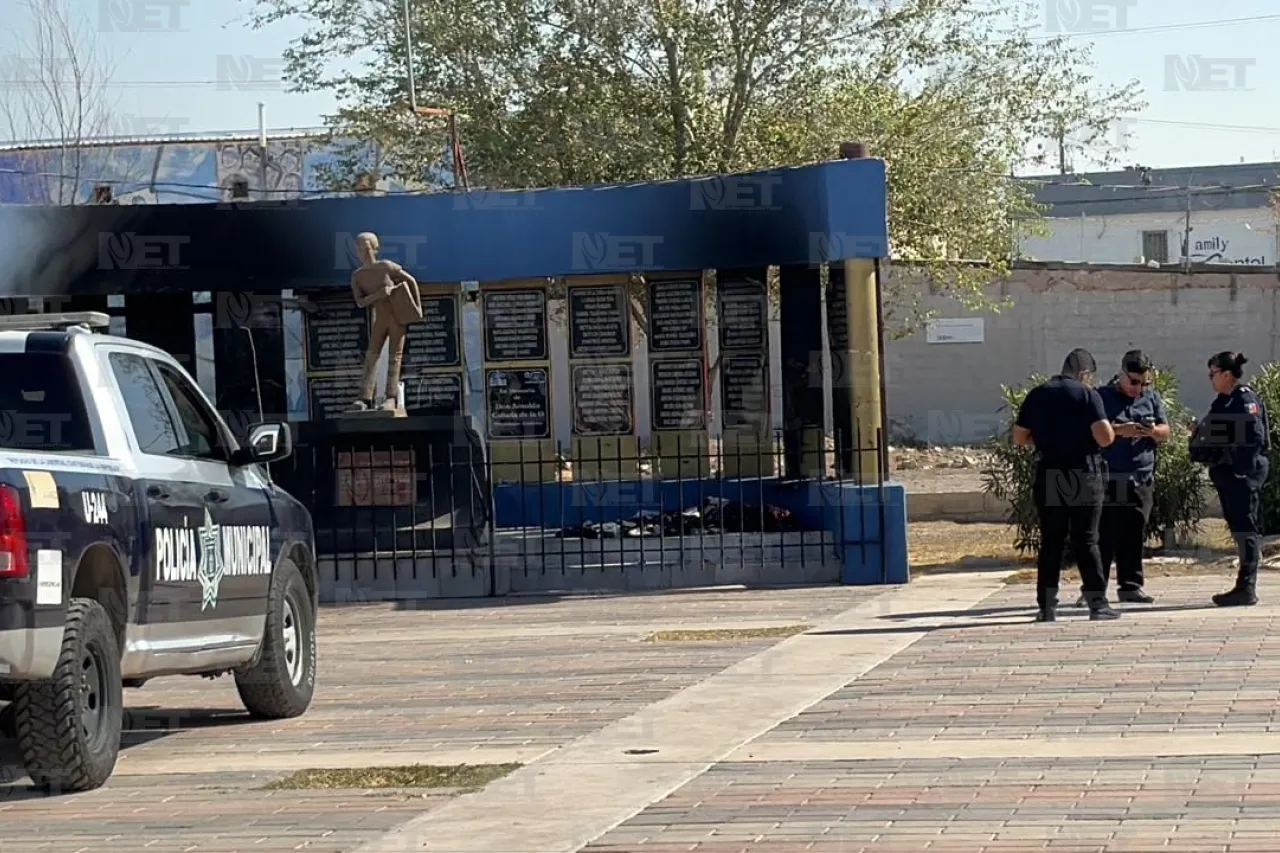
(170, 139)
(1136, 190)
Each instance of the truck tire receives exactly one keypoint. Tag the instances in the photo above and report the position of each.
(282, 681)
(69, 726)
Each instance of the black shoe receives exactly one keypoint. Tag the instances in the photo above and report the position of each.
(1135, 596)
(1046, 615)
(1238, 597)
(1100, 609)
(1081, 601)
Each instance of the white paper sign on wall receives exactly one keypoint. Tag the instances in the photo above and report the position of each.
(956, 330)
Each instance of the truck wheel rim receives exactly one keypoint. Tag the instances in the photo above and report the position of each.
(292, 643)
(93, 694)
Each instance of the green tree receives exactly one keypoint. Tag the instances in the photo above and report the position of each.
(953, 94)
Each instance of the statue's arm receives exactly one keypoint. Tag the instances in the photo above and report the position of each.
(401, 276)
(363, 300)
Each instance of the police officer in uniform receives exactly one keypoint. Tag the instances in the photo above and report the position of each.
(1066, 422)
(1232, 440)
(1138, 415)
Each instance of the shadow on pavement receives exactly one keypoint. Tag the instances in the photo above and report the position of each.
(997, 617)
(141, 725)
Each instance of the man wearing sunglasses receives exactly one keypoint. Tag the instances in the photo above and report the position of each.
(1141, 424)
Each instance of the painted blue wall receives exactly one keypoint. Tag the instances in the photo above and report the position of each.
(798, 216)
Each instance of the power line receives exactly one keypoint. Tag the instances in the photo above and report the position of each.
(1205, 125)
(1159, 28)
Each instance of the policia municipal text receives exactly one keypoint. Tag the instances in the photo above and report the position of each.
(1232, 440)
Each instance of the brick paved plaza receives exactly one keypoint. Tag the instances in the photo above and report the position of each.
(935, 717)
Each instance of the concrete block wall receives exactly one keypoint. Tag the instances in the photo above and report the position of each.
(950, 393)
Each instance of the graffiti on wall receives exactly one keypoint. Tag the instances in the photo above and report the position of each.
(176, 172)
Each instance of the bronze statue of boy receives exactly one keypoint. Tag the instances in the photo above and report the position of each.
(392, 295)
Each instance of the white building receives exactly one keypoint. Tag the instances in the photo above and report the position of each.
(1224, 213)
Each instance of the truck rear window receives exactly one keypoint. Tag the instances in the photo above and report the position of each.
(41, 408)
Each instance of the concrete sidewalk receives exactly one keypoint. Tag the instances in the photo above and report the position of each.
(935, 717)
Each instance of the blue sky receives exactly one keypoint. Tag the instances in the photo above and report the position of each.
(169, 76)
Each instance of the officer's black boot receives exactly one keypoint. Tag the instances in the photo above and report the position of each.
(1245, 592)
(1047, 602)
(1100, 608)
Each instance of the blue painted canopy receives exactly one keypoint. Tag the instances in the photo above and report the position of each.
(797, 216)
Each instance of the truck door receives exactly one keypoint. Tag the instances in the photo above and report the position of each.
(170, 500)
(236, 501)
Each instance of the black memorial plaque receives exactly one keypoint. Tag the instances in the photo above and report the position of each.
(599, 322)
(603, 399)
(337, 334)
(676, 394)
(743, 316)
(675, 316)
(744, 385)
(330, 396)
(515, 325)
(518, 403)
(434, 341)
(433, 393)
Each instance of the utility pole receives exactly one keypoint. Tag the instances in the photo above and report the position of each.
(1186, 233)
(455, 141)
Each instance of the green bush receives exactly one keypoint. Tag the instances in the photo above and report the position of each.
(1266, 381)
(1180, 483)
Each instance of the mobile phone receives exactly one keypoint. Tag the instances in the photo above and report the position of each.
(1148, 422)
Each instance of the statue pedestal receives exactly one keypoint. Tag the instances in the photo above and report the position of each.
(377, 414)
(392, 483)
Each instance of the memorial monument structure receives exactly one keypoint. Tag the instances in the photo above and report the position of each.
(667, 300)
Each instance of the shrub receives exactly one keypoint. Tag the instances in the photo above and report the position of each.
(1180, 483)
(1266, 381)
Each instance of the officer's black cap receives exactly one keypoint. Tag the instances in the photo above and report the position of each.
(1136, 361)
(1079, 361)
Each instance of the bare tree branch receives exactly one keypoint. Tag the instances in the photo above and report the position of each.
(60, 93)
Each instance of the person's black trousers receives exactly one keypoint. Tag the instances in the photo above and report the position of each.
(1241, 509)
(1122, 531)
(1069, 504)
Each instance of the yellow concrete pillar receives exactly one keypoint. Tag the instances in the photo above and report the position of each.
(862, 306)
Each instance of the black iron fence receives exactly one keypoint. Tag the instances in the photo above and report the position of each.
(432, 514)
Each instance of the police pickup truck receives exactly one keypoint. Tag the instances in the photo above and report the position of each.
(138, 539)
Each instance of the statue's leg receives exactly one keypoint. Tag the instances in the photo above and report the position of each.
(395, 357)
(380, 327)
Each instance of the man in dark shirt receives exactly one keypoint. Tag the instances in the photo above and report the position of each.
(1065, 420)
(1138, 416)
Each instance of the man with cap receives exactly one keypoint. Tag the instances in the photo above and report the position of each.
(1141, 424)
(1065, 420)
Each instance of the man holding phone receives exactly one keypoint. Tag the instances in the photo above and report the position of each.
(1141, 424)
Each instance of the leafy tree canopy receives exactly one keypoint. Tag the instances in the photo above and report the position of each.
(953, 94)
